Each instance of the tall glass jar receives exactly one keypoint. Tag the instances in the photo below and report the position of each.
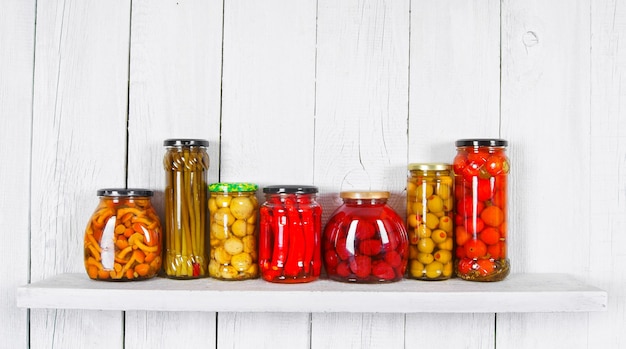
(123, 237)
(290, 234)
(430, 204)
(186, 164)
(481, 168)
(233, 211)
(365, 240)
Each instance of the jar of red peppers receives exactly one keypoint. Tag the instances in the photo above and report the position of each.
(290, 234)
(233, 210)
(186, 164)
(123, 237)
(365, 240)
(481, 168)
(430, 204)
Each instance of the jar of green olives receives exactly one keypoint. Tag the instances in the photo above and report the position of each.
(481, 168)
(233, 211)
(430, 203)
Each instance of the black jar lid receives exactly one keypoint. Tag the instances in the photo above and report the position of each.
(124, 192)
(185, 142)
(481, 142)
(290, 189)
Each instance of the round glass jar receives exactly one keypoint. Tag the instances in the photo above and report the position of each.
(123, 237)
(365, 240)
(233, 211)
(430, 217)
(481, 168)
(290, 234)
(186, 164)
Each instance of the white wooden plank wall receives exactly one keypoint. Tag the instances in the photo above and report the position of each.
(337, 94)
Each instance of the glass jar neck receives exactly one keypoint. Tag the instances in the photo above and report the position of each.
(365, 202)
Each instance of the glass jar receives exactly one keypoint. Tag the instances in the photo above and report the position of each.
(430, 217)
(365, 240)
(481, 168)
(233, 210)
(186, 164)
(290, 234)
(123, 237)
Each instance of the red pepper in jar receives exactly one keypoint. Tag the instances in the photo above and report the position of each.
(289, 250)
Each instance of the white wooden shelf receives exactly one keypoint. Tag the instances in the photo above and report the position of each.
(518, 293)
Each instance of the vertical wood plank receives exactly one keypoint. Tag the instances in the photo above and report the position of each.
(361, 133)
(79, 138)
(607, 265)
(267, 130)
(17, 31)
(175, 79)
(455, 86)
(546, 117)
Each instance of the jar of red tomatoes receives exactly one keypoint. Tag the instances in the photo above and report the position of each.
(430, 217)
(365, 240)
(290, 234)
(123, 237)
(481, 168)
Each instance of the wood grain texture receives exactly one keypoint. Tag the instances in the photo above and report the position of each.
(454, 76)
(78, 146)
(17, 31)
(267, 131)
(454, 93)
(546, 118)
(175, 81)
(607, 259)
(361, 132)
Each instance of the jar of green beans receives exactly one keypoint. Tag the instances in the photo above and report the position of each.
(186, 248)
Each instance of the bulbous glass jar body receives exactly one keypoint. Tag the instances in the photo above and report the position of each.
(365, 240)
(123, 237)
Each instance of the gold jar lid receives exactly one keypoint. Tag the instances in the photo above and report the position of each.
(431, 166)
(364, 195)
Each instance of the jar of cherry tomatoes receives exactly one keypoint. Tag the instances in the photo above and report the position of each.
(123, 237)
(233, 210)
(290, 234)
(365, 240)
(430, 204)
(481, 168)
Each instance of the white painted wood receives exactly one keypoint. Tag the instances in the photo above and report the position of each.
(520, 293)
(358, 330)
(267, 132)
(454, 93)
(17, 31)
(455, 76)
(78, 146)
(361, 132)
(607, 260)
(175, 80)
(546, 117)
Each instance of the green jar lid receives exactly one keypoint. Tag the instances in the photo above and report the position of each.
(232, 187)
